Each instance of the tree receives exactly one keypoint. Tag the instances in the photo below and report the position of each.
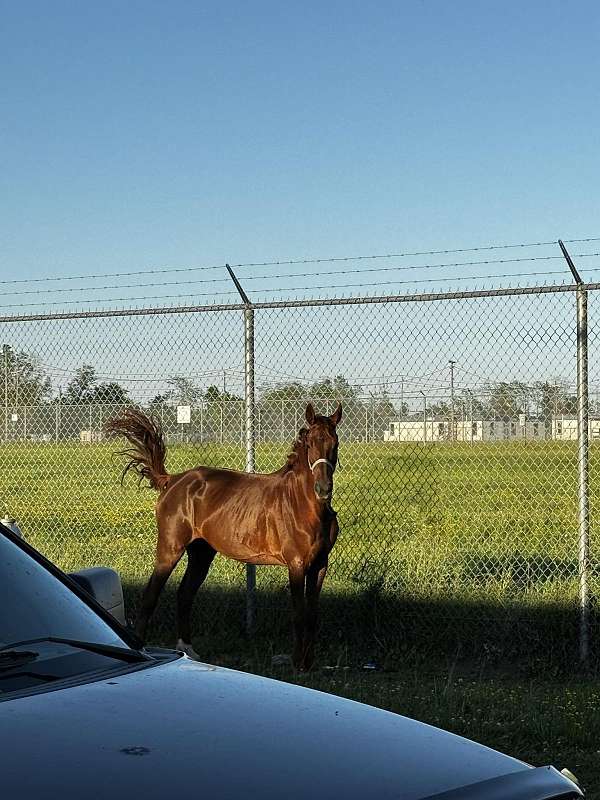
(281, 408)
(213, 393)
(80, 388)
(183, 391)
(159, 400)
(285, 392)
(112, 393)
(337, 389)
(469, 407)
(22, 379)
(382, 411)
(441, 409)
(224, 414)
(83, 389)
(554, 399)
(507, 400)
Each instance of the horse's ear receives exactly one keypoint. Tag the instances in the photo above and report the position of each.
(337, 415)
(310, 414)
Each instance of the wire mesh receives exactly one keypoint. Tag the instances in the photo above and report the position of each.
(457, 490)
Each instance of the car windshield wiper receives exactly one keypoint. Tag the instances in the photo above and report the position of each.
(123, 653)
(9, 659)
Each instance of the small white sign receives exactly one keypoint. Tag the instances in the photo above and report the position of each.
(184, 415)
(14, 417)
(522, 419)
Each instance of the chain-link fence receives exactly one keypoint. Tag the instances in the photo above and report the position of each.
(459, 488)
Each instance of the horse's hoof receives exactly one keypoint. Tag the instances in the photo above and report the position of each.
(188, 650)
(281, 660)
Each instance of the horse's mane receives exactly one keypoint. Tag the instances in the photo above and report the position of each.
(298, 448)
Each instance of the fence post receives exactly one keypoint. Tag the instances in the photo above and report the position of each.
(5, 350)
(452, 414)
(583, 460)
(250, 451)
(250, 437)
(58, 415)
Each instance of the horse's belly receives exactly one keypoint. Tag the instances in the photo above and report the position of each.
(251, 556)
(263, 559)
(251, 550)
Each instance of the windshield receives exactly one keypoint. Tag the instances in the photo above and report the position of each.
(34, 604)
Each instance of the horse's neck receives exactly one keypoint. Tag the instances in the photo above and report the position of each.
(301, 466)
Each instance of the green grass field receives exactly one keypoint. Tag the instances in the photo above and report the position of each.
(456, 570)
(472, 524)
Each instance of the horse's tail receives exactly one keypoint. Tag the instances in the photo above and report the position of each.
(147, 452)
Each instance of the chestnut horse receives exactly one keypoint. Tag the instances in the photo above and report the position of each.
(283, 518)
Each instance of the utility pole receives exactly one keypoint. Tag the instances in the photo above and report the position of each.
(424, 416)
(470, 393)
(452, 429)
(402, 397)
(57, 418)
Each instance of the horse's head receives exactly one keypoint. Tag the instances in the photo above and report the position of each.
(322, 449)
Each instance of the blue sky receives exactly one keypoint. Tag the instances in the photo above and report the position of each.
(136, 135)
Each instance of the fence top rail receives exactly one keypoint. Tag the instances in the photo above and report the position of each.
(312, 302)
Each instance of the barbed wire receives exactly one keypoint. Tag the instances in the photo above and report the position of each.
(120, 299)
(287, 276)
(409, 255)
(291, 262)
(281, 290)
(416, 281)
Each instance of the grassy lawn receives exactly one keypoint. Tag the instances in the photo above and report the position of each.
(466, 528)
(456, 571)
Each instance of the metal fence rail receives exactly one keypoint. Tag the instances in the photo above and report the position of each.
(466, 464)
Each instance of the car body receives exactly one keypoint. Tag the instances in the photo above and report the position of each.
(121, 722)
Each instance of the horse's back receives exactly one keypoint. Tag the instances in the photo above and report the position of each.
(226, 508)
(250, 517)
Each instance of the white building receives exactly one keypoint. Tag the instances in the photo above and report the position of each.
(478, 430)
(429, 430)
(90, 437)
(488, 430)
(565, 428)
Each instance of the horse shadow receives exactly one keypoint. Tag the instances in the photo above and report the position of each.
(387, 629)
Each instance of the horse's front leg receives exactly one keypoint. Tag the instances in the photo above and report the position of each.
(297, 582)
(314, 583)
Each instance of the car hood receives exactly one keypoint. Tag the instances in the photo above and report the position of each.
(183, 727)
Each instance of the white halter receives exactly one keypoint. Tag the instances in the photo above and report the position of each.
(320, 461)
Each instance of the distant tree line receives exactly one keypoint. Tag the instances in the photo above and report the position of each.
(542, 400)
(219, 414)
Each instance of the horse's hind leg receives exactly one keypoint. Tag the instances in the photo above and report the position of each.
(162, 570)
(167, 557)
(200, 556)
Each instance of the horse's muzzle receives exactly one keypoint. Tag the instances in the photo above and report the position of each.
(323, 491)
